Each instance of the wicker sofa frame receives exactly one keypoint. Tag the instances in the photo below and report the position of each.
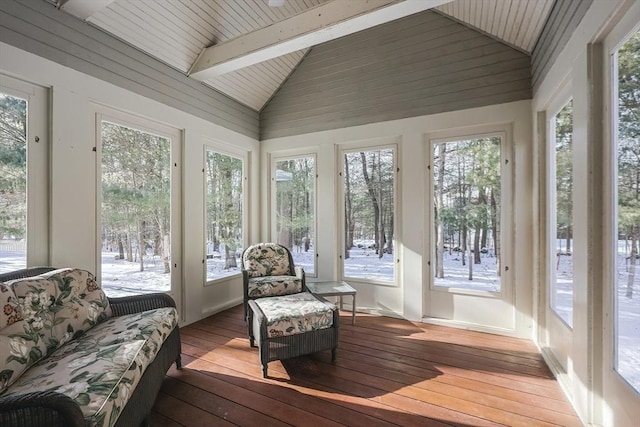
(285, 347)
(51, 409)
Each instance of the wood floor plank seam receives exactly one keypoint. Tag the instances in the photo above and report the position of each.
(389, 372)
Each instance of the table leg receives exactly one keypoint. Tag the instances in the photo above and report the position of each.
(340, 302)
(353, 310)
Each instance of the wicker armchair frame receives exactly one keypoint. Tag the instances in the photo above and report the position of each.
(51, 409)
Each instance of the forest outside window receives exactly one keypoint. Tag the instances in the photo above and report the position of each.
(561, 239)
(369, 191)
(467, 227)
(138, 192)
(294, 182)
(626, 253)
(224, 213)
(23, 175)
(13, 182)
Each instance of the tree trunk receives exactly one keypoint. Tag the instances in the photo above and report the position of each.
(120, 247)
(129, 247)
(374, 199)
(635, 230)
(483, 236)
(381, 231)
(166, 254)
(496, 230)
(141, 244)
(391, 235)
(464, 244)
(470, 266)
(349, 225)
(442, 149)
(165, 249)
(569, 225)
(476, 245)
(229, 258)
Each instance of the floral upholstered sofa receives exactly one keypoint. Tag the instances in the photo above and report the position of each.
(70, 356)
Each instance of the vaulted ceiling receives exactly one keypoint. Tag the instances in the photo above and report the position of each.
(247, 48)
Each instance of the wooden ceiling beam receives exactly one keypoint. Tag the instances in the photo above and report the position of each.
(320, 24)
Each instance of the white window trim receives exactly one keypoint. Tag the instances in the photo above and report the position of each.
(506, 207)
(38, 173)
(562, 98)
(226, 149)
(276, 157)
(103, 113)
(370, 145)
(613, 42)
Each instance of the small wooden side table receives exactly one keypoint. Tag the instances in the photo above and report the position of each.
(335, 289)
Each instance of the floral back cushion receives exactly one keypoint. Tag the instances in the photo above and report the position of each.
(266, 259)
(51, 309)
(10, 311)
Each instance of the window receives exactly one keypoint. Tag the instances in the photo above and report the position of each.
(561, 163)
(295, 209)
(23, 175)
(627, 250)
(138, 191)
(224, 213)
(467, 188)
(369, 189)
(13, 182)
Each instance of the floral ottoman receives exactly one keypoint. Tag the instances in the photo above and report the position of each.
(292, 325)
(62, 338)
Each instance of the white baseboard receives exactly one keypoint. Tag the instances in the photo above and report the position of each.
(469, 326)
(210, 311)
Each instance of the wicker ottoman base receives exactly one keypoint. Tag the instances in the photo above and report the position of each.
(285, 347)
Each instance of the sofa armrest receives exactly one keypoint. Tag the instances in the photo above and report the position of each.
(40, 409)
(138, 303)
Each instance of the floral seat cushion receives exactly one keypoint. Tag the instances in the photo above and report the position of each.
(101, 368)
(266, 259)
(273, 286)
(42, 313)
(295, 314)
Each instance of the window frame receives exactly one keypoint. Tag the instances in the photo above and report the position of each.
(238, 153)
(175, 136)
(371, 145)
(38, 173)
(273, 226)
(563, 97)
(506, 201)
(611, 233)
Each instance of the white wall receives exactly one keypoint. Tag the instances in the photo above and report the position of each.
(576, 356)
(407, 298)
(73, 173)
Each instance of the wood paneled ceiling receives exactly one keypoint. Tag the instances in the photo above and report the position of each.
(178, 32)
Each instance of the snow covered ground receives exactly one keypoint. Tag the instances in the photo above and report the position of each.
(120, 278)
(456, 275)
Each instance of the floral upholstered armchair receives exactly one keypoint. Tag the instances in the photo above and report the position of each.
(268, 270)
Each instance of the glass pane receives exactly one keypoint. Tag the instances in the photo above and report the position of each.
(136, 186)
(13, 183)
(466, 191)
(295, 210)
(369, 214)
(224, 178)
(627, 290)
(562, 286)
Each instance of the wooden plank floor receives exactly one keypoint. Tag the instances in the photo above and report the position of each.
(388, 372)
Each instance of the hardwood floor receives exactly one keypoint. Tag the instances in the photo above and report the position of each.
(388, 372)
